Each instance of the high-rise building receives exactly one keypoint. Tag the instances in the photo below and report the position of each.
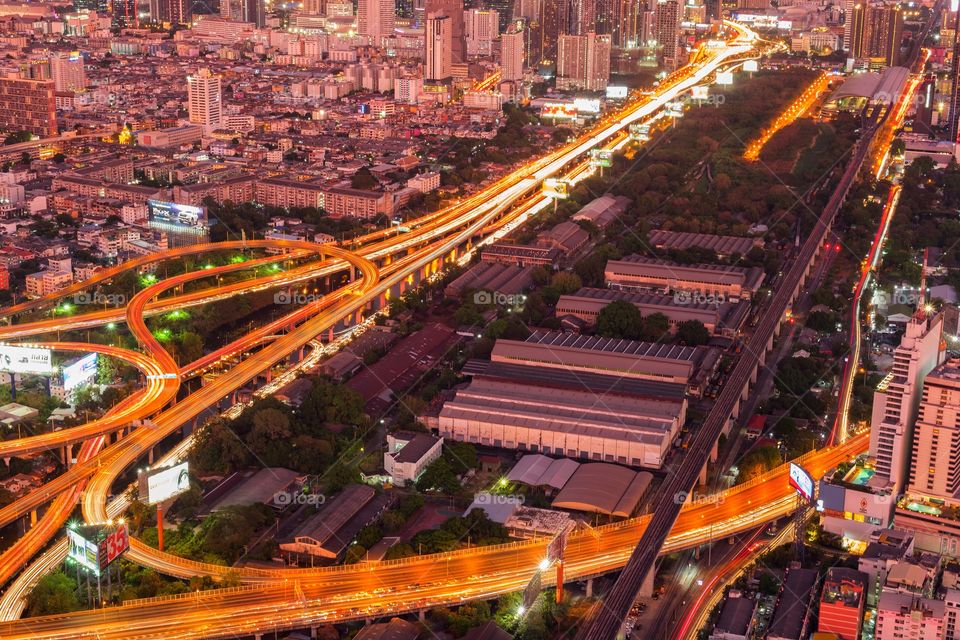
(204, 99)
(376, 18)
(66, 70)
(513, 52)
(583, 17)
(626, 27)
(453, 9)
(935, 463)
(439, 64)
(953, 128)
(505, 11)
(123, 13)
(172, 11)
(555, 20)
(875, 33)
(28, 105)
(897, 398)
(668, 15)
(481, 28)
(583, 62)
(100, 6)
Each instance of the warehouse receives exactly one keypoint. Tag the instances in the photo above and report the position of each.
(638, 273)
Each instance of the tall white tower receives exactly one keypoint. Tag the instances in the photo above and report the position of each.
(439, 38)
(204, 99)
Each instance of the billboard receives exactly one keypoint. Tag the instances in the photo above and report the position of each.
(114, 545)
(532, 590)
(80, 372)
(724, 78)
(84, 552)
(587, 105)
(601, 157)
(15, 359)
(176, 215)
(700, 92)
(801, 481)
(560, 111)
(556, 189)
(640, 132)
(751, 65)
(616, 92)
(158, 485)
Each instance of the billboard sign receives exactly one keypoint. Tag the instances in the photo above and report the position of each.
(801, 481)
(557, 546)
(80, 372)
(556, 189)
(559, 111)
(159, 485)
(751, 65)
(115, 544)
(82, 551)
(176, 215)
(601, 157)
(532, 591)
(724, 78)
(616, 92)
(34, 360)
(700, 92)
(640, 132)
(587, 105)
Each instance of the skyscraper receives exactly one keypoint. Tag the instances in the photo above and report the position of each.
(668, 15)
(28, 105)
(513, 52)
(66, 71)
(897, 397)
(123, 13)
(554, 21)
(935, 461)
(439, 64)
(875, 33)
(376, 18)
(583, 62)
(481, 28)
(204, 99)
(453, 9)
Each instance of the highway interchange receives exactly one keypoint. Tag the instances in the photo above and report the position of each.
(378, 266)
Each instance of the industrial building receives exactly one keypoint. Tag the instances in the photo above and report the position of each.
(723, 318)
(639, 273)
(565, 413)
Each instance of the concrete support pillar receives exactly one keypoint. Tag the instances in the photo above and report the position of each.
(330, 335)
(313, 632)
(33, 517)
(703, 475)
(715, 451)
(589, 587)
(422, 615)
(646, 589)
(150, 456)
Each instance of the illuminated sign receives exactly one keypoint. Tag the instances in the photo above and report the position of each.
(724, 78)
(801, 481)
(557, 189)
(601, 157)
(82, 551)
(564, 111)
(700, 92)
(616, 92)
(587, 105)
(751, 65)
(176, 215)
(640, 132)
(116, 544)
(25, 360)
(159, 485)
(80, 372)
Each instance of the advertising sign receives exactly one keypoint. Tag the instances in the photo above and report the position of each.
(616, 92)
(640, 132)
(25, 360)
(557, 189)
(601, 157)
(82, 551)
(177, 215)
(751, 65)
(560, 111)
(80, 372)
(532, 591)
(158, 485)
(801, 481)
(587, 105)
(115, 544)
(700, 92)
(724, 78)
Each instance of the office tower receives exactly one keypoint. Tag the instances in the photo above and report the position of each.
(100, 6)
(66, 71)
(172, 11)
(439, 65)
(897, 398)
(124, 13)
(583, 17)
(554, 21)
(204, 99)
(842, 603)
(505, 11)
(668, 14)
(935, 461)
(626, 25)
(453, 9)
(376, 18)
(953, 130)
(28, 105)
(254, 11)
(875, 33)
(513, 52)
(481, 28)
(583, 62)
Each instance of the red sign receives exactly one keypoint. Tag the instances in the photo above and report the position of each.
(114, 545)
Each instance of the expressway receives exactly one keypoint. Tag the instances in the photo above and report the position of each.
(383, 588)
(449, 231)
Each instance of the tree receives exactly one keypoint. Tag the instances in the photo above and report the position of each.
(693, 333)
(55, 593)
(18, 137)
(655, 327)
(363, 179)
(620, 319)
(566, 282)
